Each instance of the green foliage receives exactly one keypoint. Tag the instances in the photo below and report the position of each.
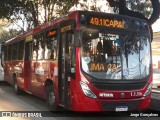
(34, 12)
(3, 22)
(8, 34)
(31, 13)
(142, 6)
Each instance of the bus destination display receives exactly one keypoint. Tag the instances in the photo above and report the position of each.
(106, 22)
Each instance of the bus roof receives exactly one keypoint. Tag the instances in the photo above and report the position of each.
(70, 16)
(37, 29)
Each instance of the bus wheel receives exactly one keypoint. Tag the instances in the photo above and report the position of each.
(51, 99)
(16, 88)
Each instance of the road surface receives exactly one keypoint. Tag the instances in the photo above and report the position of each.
(25, 102)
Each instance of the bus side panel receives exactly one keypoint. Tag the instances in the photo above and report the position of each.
(41, 71)
(37, 80)
(14, 68)
(18, 71)
(8, 72)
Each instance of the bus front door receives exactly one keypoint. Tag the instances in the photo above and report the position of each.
(66, 54)
(63, 71)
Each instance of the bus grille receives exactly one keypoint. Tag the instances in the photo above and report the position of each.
(111, 106)
(122, 87)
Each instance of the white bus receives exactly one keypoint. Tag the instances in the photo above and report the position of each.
(1, 68)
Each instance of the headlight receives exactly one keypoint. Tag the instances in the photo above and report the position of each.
(86, 90)
(148, 90)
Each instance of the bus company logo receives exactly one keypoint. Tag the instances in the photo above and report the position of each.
(108, 95)
(122, 95)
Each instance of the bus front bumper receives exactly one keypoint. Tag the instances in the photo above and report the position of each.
(85, 104)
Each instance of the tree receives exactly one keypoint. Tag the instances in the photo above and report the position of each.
(123, 9)
(143, 7)
(8, 34)
(65, 6)
(8, 7)
(32, 13)
(12, 10)
(138, 8)
(3, 22)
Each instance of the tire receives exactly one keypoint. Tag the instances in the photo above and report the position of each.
(16, 88)
(51, 99)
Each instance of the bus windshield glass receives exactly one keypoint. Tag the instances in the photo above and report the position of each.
(115, 56)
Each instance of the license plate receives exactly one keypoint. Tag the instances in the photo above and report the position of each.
(121, 108)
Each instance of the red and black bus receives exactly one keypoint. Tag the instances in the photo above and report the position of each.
(85, 61)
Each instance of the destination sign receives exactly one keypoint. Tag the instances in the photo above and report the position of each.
(29, 38)
(52, 32)
(106, 22)
(113, 21)
(102, 67)
(66, 28)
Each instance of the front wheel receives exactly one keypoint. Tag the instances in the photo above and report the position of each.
(51, 99)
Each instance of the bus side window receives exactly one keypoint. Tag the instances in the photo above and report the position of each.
(71, 51)
(41, 47)
(38, 47)
(15, 48)
(5, 53)
(35, 49)
(54, 49)
(9, 52)
(21, 48)
(51, 48)
(40, 51)
(47, 53)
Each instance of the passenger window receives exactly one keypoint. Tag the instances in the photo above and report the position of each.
(51, 48)
(20, 48)
(15, 48)
(35, 49)
(5, 53)
(10, 52)
(38, 47)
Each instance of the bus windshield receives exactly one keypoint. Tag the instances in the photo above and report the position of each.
(115, 56)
